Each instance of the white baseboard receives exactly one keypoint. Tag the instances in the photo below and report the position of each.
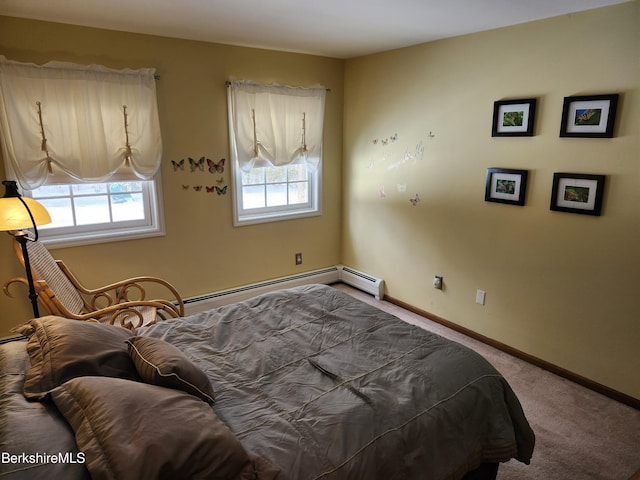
(327, 276)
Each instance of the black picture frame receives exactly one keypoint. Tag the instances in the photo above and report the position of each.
(506, 185)
(514, 118)
(577, 193)
(589, 116)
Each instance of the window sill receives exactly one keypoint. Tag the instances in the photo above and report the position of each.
(93, 238)
(275, 217)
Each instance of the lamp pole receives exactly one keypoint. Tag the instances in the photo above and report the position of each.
(33, 295)
(22, 237)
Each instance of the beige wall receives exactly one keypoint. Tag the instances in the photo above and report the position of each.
(559, 286)
(562, 287)
(202, 252)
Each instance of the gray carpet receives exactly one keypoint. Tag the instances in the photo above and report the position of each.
(580, 434)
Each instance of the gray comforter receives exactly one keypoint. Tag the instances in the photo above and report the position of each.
(324, 386)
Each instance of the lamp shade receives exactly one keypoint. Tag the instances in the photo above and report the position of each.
(14, 214)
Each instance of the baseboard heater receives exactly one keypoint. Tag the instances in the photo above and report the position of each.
(339, 273)
(361, 281)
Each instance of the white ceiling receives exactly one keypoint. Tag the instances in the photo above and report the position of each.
(333, 28)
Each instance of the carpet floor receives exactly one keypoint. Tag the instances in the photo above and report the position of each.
(580, 434)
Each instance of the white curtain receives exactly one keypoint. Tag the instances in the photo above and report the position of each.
(275, 124)
(67, 123)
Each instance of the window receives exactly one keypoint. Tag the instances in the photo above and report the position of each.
(276, 151)
(85, 141)
(270, 193)
(98, 212)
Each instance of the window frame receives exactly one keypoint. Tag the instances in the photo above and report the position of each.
(152, 225)
(311, 208)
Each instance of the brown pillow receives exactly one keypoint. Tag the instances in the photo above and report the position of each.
(163, 364)
(132, 430)
(60, 349)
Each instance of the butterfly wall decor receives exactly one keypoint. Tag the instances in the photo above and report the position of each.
(207, 188)
(177, 165)
(196, 165)
(414, 201)
(199, 165)
(217, 189)
(216, 167)
(385, 141)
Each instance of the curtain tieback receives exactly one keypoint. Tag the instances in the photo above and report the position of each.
(127, 155)
(43, 144)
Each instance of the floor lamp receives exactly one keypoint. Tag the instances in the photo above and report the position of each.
(18, 213)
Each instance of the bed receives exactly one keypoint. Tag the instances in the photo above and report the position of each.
(299, 384)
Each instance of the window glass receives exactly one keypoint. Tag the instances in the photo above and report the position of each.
(271, 193)
(103, 211)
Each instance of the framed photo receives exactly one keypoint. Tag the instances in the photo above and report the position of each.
(589, 116)
(505, 185)
(577, 193)
(513, 118)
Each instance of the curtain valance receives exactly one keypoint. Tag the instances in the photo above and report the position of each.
(67, 123)
(275, 124)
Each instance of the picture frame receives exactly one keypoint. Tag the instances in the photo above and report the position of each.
(514, 118)
(577, 193)
(590, 116)
(506, 185)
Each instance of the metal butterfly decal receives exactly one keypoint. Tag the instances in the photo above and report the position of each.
(414, 201)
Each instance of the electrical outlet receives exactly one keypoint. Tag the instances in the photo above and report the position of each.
(437, 282)
(298, 258)
(480, 297)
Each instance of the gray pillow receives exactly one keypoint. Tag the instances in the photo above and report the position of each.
(61, 349)
(132, 430)
(160, 363)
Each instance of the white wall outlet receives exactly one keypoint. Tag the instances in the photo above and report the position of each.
(480, 294)
(437, 282)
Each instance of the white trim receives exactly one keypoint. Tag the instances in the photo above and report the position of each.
(225, 297)
(92, 234)
(312, 208)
